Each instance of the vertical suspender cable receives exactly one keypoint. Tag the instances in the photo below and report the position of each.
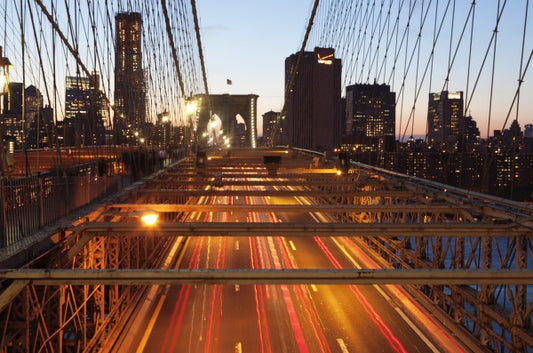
(493, 67)
(521, 59)
(172, 46)
(467, 92)
(200, 49)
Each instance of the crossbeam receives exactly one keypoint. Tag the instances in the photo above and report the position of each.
(267, 276)
(255, 174)
(286, 193)
(308, 183)
(310, 229)
(422, 208)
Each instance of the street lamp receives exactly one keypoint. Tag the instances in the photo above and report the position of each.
(165, 117)
(4, 72)
(4, 88)
(150, 219)
(191, 107)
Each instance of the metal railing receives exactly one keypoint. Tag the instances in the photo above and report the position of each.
(27, 204)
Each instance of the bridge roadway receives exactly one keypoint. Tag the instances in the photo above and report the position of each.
(281, 318)
(426, 253)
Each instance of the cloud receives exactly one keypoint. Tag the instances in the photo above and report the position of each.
(215, 28)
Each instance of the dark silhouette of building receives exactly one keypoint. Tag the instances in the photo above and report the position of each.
(227, 107)
(528, 130)
(446, 126)
(269, 122)
(371, 116)
(130, 90)
(41, 131)
(313, 109)
(11, 120)
(33, 104)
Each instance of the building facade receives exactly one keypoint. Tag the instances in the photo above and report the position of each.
(371, 116)
(85, 112)
(446, 126)
(313, 107)
(130, 90)
(270, 119)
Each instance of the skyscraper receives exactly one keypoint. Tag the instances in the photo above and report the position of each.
(85, 109)
(77, 96)
(11, 119)
(269, 120)
(370, 116)
(446, 126)
(130, 92)
(314, 106)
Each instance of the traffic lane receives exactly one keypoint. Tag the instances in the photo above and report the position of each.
(360, 315)
(205, 318)
(286, 318)
(341, 330)
(394, 328)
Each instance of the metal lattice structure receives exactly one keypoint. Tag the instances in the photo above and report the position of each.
(462, 254)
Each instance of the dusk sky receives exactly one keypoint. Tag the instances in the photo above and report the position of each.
(248, 41)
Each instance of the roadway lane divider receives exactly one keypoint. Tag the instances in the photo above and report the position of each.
(162, 298)
(417, 330)
(291, 243)
(238, 347)
(342, 345)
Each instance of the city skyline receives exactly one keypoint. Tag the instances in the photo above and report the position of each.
(249, 50)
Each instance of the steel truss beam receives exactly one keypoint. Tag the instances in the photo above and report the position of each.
(254, 174)
(422, 208)
(285, 193)
(311, 229)
(266, 276)
(308, 183)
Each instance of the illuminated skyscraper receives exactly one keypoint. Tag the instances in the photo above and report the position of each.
(446, 125)
(77, 96)
(130, 92)
(313, 118)
(85, 111)
(370, 116)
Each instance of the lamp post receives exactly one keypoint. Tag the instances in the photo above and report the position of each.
(192, 110)
(4, 88)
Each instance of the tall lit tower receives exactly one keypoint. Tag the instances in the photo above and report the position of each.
(370, 116)
(314, 106)
(446, 125)
(130, 92)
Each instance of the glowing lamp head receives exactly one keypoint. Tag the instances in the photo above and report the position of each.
(339, 172)
(191, 107)
(150, 219)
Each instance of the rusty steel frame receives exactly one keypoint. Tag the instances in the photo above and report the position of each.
(413, 226)
(69, 318)
(95, 277)
(77, 277)
(456, 229)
